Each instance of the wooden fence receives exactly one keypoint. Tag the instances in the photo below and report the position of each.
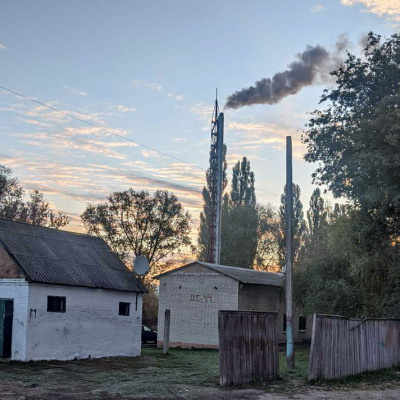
(342, 346)
(248, 346)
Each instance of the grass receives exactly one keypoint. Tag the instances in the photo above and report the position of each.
(181, 374)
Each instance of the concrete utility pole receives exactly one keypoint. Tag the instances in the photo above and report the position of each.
(289, 254)
(217, 173)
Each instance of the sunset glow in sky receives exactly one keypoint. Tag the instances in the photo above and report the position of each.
(148, 70)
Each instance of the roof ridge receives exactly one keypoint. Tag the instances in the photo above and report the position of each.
(238, 268)
(47, 227)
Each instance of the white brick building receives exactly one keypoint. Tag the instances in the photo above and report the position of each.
(65, 295)
(196, 292)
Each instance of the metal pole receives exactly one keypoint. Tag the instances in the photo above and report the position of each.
(220, 178)
(289, 254)
(167, 322)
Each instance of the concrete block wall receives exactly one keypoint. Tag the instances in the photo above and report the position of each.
(17, 290)
(91, 325)
(272, 298)
(194, 296)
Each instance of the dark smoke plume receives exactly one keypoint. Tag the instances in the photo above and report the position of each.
(312, 66)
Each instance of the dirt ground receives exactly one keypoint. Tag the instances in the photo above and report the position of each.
(183, 374)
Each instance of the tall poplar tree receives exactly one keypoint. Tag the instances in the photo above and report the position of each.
(203, 240)
(240, 219)
(299, 227)
(317, 223)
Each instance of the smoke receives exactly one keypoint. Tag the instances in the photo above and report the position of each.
(312, 66)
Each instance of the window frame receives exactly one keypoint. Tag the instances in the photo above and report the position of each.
(126, 307)
(59, 301)
(304, 319)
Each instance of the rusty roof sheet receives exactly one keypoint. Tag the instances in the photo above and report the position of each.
(65, 258)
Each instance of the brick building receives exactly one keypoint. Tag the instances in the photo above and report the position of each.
(197, 291)
(65, 295)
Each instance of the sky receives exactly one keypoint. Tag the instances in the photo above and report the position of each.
(147, 71)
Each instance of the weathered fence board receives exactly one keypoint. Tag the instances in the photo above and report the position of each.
(342, 346)
(248, 346)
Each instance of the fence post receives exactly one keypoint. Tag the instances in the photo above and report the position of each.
(167, 320)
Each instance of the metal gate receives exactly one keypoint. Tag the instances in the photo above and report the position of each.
(6, 320)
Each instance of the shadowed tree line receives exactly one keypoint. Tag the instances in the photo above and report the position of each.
(35, 210)
(353, 264)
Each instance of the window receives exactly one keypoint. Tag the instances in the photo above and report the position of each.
(284, 322)
(124, 308)
(55, 304)
(302, 324)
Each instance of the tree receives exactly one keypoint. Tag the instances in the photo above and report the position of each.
(299, 227)
(138, 223)
(204, 235)
(240, 219)
(327, 287)
(35, 211)
(317, 225)
(242, 190)
(355, 140)
(267, 245)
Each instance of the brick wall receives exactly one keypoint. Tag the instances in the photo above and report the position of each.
(17, 290)
(195, 295)
(91, 325)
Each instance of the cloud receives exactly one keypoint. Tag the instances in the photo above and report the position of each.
(35, 122)
(176, 96)
(3, 47)
(255, 136)
(178, 139)
(203, 110)
(147, 85)
(157, 87)
(30, 135)
(76, 91)
(124, 108)
(390, 9)
(93, 182)
(317, 8)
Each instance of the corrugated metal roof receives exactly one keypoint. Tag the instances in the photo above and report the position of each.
(243, 275)
(52, 256)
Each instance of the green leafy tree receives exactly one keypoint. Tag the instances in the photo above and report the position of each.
(355, 142)
(267, 245)
(204, 235)
(35, 211)
(355, 139)
(317, 225)
(240, 219)
(242, 189)
(326, 286)
(299, 227)
(138, 223)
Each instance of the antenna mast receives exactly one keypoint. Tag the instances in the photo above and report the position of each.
(217, 174)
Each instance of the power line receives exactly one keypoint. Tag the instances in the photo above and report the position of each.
(114, 133)
(99, 127)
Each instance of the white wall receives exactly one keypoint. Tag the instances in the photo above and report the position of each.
(90, 326)
(17, 290)
(194, 297)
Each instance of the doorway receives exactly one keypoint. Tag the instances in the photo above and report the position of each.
(6, 321)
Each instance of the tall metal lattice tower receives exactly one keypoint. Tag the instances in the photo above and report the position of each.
(217, 175)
